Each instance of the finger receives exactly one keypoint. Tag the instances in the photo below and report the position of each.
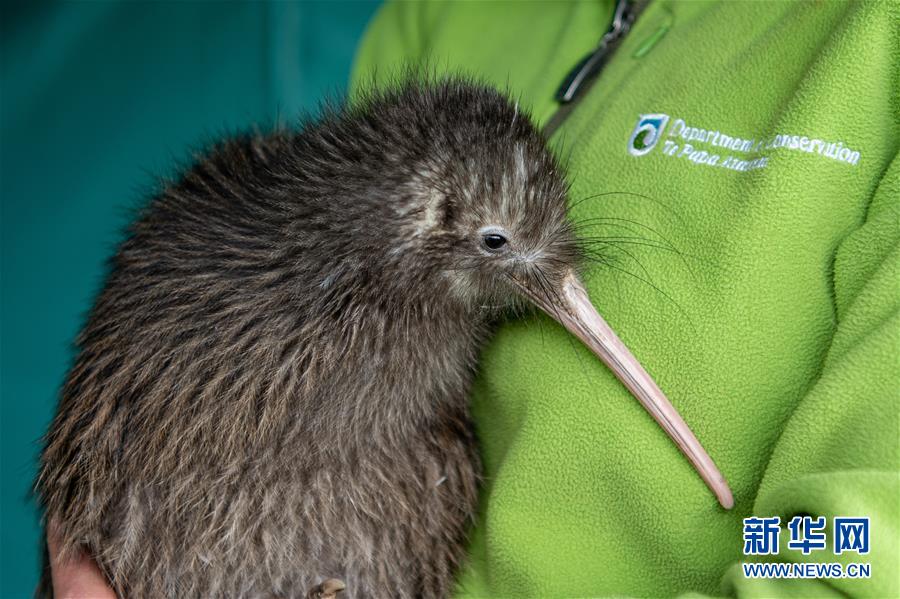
(77, 577)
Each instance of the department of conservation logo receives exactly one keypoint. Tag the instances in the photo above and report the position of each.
(715, 148)
(646, 133)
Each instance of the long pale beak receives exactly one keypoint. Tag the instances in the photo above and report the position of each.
(579, 316)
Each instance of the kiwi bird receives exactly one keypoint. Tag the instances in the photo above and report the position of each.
(271, 389)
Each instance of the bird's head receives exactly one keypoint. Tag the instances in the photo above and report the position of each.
(485, 202)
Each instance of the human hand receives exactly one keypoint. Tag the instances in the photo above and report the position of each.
(77, 577)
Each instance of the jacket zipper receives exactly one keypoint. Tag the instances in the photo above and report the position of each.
(583, 75)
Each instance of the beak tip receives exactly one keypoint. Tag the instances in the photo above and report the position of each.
(726, 499)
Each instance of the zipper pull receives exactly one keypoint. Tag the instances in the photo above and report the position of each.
(588, 67)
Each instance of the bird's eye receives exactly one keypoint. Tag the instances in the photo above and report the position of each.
(494, 241)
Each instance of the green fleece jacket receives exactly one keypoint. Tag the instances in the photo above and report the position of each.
(736, 163)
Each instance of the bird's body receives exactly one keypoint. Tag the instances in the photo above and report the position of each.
(271, 388)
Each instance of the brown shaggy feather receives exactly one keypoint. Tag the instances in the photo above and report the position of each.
(271, 389)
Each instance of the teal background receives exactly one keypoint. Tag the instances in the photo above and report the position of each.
(96, 101)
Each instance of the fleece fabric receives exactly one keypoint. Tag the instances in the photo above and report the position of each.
(736, 165)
